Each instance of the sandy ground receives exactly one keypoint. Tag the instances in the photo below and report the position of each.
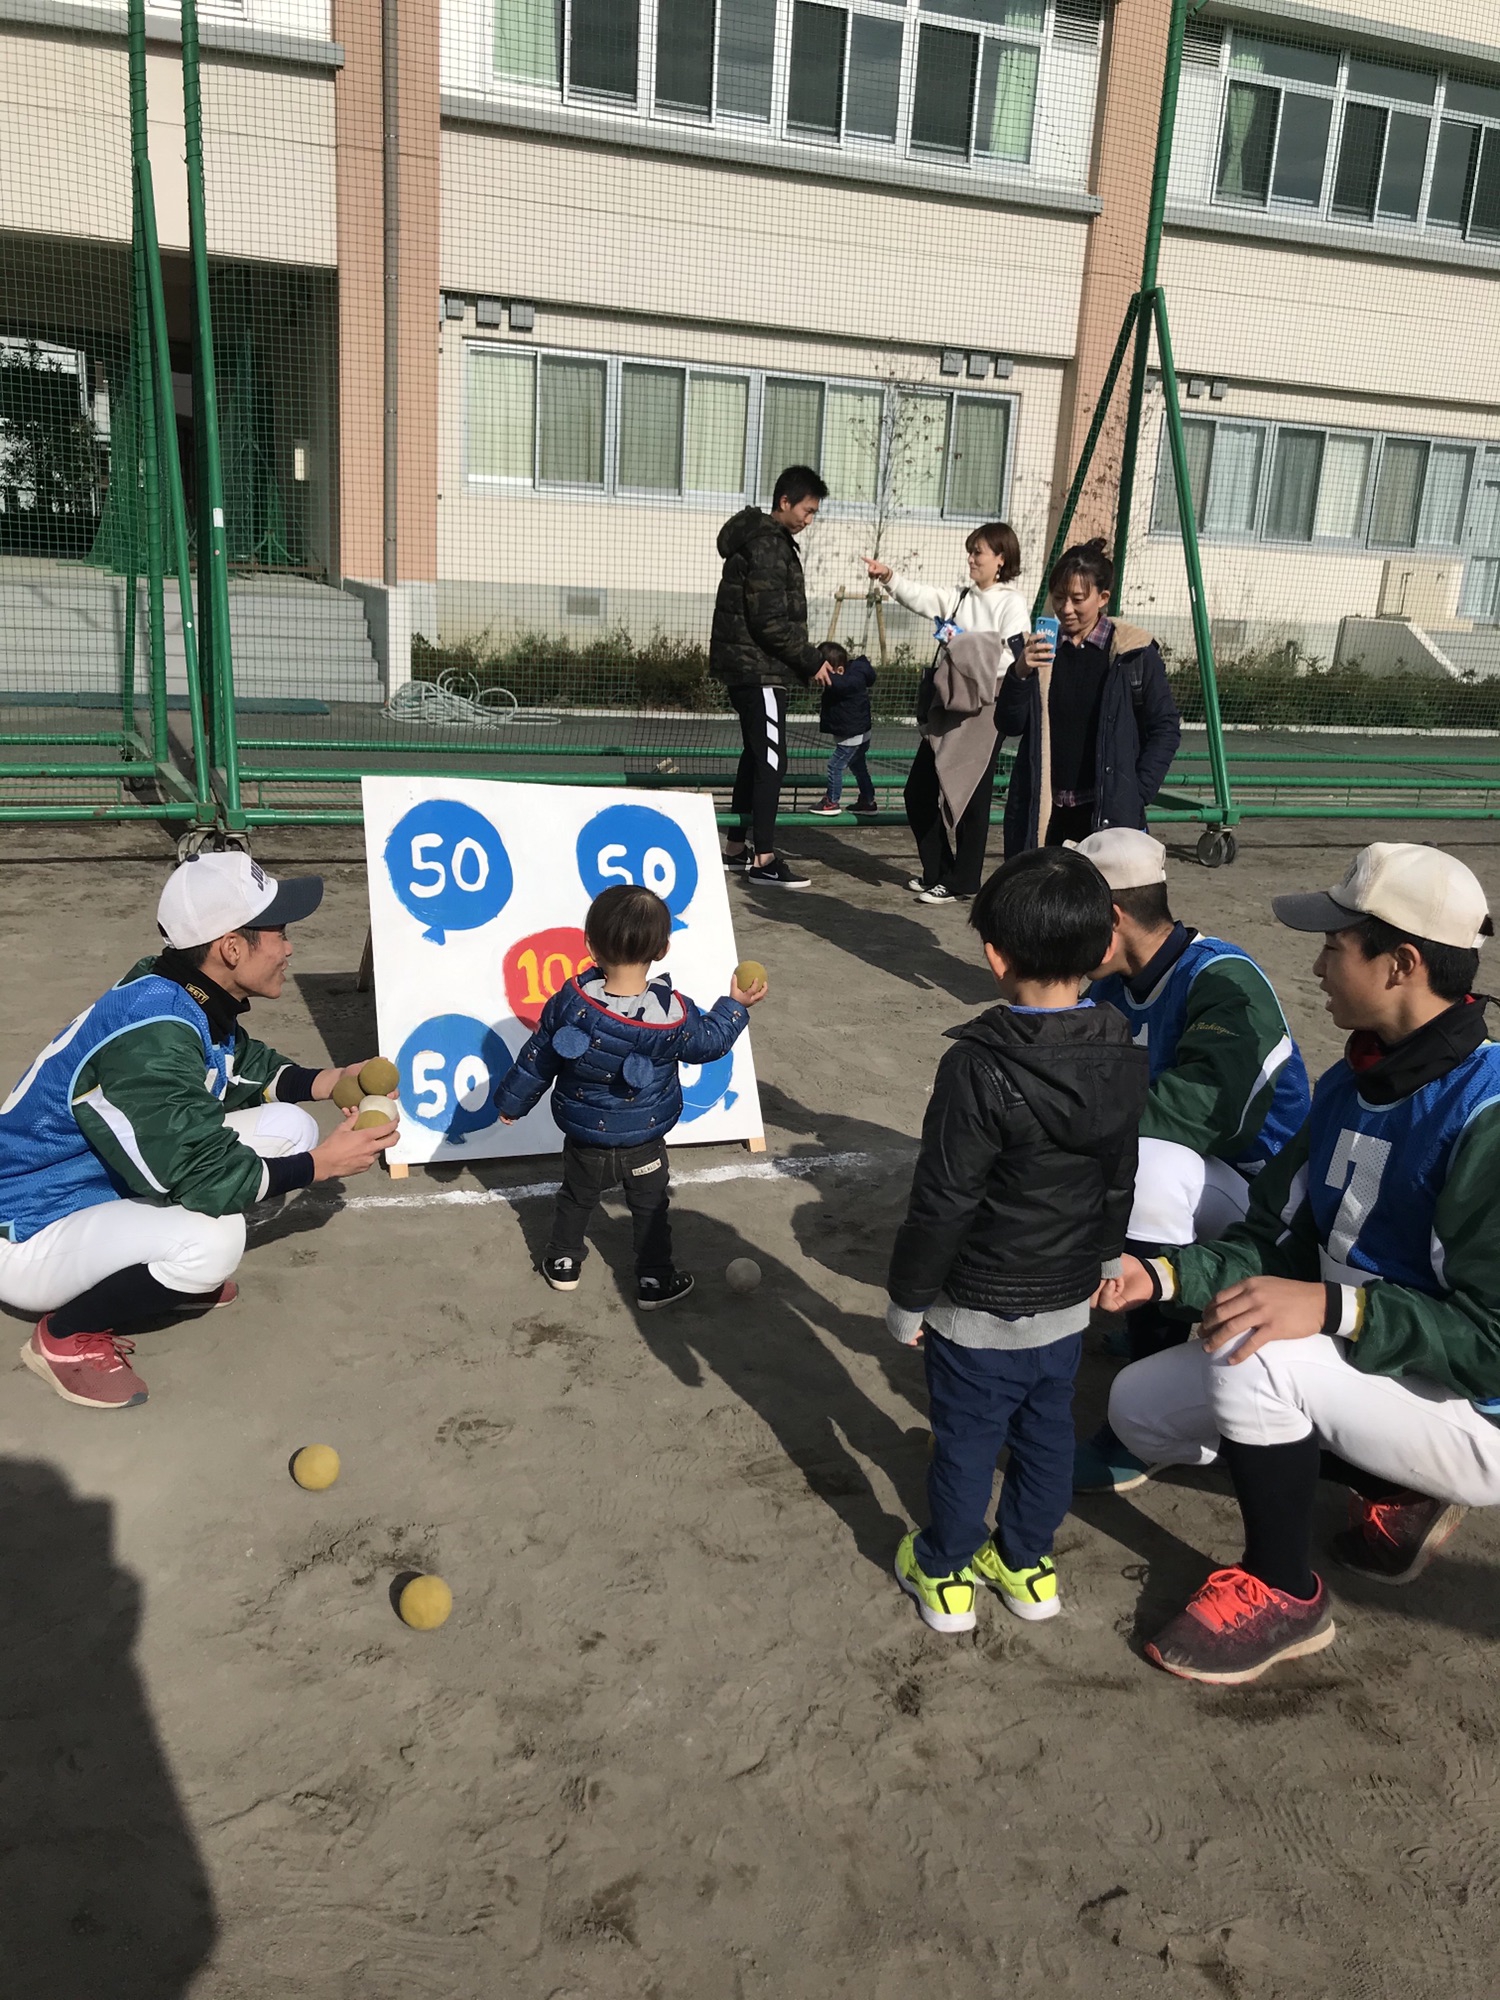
(682, 1737)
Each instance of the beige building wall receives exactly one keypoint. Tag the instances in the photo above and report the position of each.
(65, 137)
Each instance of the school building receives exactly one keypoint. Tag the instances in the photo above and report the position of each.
(517, 300)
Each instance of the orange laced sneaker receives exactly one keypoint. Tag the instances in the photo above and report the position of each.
(88, 1368)
(1393, 1541)
(1236, 1627)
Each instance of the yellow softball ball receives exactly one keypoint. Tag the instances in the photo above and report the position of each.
(316, 1467)
(425, 1603)
(379, 1078)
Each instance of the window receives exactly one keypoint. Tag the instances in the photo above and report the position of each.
(1303, 483)
(607, 425)
(1360, 141)
(959, 83)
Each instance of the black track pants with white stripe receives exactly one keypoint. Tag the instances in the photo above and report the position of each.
(757, 783)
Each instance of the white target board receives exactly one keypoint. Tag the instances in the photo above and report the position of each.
(478, 891)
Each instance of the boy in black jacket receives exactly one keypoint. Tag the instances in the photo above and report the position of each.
(1018, 1211)
(845, 716)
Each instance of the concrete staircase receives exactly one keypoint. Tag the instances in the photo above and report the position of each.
(1476, 652)
(62, 632)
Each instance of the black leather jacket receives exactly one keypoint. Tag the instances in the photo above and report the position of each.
(1024, 1183)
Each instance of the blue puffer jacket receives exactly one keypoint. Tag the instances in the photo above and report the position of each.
(615, 1080)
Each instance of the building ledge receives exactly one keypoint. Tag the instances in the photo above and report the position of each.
(1292, 232)
(106, 23)
(724, 148)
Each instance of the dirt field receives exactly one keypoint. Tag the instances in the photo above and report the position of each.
(682, 1737)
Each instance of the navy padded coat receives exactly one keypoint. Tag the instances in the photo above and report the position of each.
(614, 1080)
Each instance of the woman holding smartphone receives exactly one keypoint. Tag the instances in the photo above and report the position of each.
(1090, 701)
(952, 859)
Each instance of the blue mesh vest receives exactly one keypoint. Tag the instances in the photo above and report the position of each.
(1158, 1022)
(47, 1167)
(1375, 1171)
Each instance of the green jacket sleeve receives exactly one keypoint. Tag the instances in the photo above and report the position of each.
(253, 1073)
(770, 612)
(1217, 1094)
(143, 1106)
(1277, 1238)
(1453, 1338)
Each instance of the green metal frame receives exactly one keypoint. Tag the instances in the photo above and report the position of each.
(141, 758)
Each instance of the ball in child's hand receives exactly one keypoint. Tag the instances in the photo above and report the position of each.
(749, 974)
(347, 1093)
(379, 1078)
(425, 1603)
(316, 1467)
(375, 1111)
(742, 1274)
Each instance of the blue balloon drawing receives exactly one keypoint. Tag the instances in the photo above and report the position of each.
(707, 1088)
(450, 1067)
(638, 844)
(449, 867)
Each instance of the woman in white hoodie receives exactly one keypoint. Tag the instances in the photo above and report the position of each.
(987, 603)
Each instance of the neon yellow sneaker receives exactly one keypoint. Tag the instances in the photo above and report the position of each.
(1030, 1593)
(945, 1602)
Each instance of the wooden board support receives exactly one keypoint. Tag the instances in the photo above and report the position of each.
(755, 1145)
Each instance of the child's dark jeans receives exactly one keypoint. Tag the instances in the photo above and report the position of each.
(981, 1399)
(589, 1172)
(849, 757)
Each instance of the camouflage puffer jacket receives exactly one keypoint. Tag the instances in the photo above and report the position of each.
(760, 615)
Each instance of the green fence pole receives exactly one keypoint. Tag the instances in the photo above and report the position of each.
(176, 499)
(1086, 456)
(212, 548)
(148, 471)
(1160, 174)
(1187, 517)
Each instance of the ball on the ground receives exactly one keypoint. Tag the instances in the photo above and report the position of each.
(425, 1603)
(375, 1111)
(379, 1078)
(347, 1093)
(316, 1467)
(748, 974)
(742, 1274)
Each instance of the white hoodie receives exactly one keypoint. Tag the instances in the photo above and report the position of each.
(999, 609)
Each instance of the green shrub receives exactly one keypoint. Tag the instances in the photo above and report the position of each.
(1277, 690)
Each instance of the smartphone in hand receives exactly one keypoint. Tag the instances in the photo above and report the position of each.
(1048, 629)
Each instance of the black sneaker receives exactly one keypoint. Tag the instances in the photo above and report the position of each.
(736, 864)
(864, 807)
(778, 875)
(653, 1292)
(562, 1273)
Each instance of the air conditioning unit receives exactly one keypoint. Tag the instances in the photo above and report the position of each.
(1420, 589)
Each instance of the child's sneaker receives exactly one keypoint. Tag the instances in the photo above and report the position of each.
(561, 1273)
(653, 1292)
(1029, 1593)
(945, 1602)
(826, 809)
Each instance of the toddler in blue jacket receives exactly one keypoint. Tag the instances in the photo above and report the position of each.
(609, 1043)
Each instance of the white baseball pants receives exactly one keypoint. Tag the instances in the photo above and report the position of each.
(1181, 1197)
(1173, 1409)
(182, 1249)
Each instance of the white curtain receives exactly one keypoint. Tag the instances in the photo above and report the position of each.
(791, 429)
(651, 428)
(1234, 484)
(716, 410)
(980, 429)
(851, 443)
(528, 40)
(572, 419)
(1341, 494)
(1007, 101)
(502, 415)
(1443, 499)
(919, 452)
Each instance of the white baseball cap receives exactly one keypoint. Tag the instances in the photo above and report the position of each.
(212, 894)
(1124, 856)
(1419, 890)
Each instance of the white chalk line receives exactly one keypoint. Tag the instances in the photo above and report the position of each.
(792, 1166)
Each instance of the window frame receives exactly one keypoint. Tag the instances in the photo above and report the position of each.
(1362, 542)
(478, 484)
(1343, 94)
(909, 15)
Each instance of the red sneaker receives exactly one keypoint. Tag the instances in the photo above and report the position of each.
(1394, 1540)
(87, 1368)
(228, 1292)
(1236, 1627)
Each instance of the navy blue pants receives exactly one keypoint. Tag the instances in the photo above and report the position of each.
(982, 1399)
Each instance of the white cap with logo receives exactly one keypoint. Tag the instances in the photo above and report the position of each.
(212, 894)
(1124, 856)
(1419, 890)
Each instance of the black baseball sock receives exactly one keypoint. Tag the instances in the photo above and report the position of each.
(1368, 1485)
(1275, 1485)
(122, 1298)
